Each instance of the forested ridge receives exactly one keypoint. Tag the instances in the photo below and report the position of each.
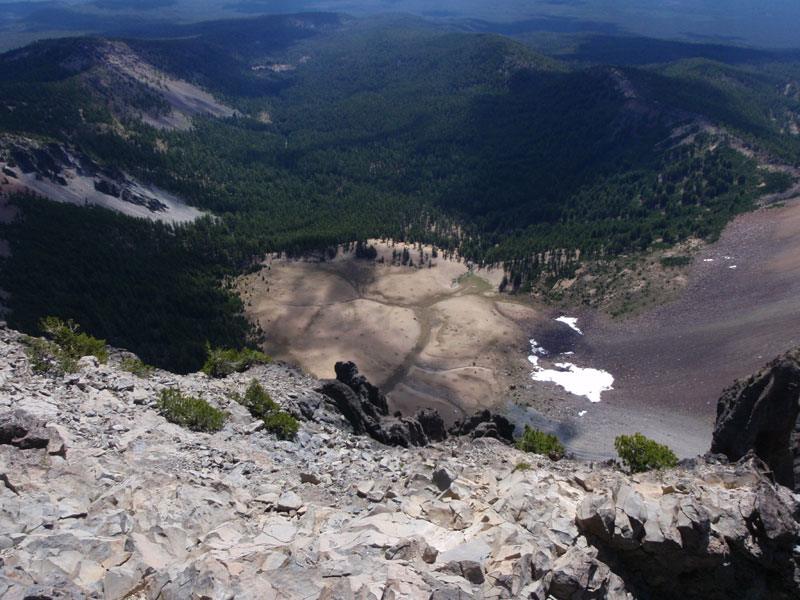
(383, 128)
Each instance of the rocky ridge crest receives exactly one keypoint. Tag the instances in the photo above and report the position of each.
(100, 497)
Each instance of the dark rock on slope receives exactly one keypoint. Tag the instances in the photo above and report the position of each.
(760, 414)
(366, 409)
(485, 424)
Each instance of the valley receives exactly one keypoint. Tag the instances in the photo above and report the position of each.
(568, 185)
(432, 335)
(441, 336)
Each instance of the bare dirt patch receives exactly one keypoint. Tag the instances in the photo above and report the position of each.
(435, 334)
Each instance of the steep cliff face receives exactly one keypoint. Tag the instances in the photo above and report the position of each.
(760, 414)
(100, 497)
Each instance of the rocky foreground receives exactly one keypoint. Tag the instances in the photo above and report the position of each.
(101, 497)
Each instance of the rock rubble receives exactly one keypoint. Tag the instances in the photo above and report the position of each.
(112, 501)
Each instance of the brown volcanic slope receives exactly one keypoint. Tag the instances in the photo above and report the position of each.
(727, 323)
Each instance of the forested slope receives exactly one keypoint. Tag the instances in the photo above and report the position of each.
(389, 127)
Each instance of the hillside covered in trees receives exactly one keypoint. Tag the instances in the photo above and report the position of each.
(345, 129)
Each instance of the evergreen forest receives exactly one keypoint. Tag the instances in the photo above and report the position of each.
(386, 127)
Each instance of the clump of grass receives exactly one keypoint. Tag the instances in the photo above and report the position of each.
(190, 411)
(222, 362)
(642, 454)
(523, 466)
(64, 346)
(539, 442)
(261, 406)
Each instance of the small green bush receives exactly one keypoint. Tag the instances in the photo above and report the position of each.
(222, 362)
(261, 406)
(282, 424)
(539, 442)
(523, 466)
(641, 454)
(189, 411)
(65, 346)
(137, 367)
(258, 402)
(46, 357)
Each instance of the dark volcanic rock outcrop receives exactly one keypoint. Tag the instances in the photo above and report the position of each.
(760, 414)
(485, 424)
(366, 409)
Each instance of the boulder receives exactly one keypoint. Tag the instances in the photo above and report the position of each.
(485, 424)
(706, 544)
(25, 431)
(372, 399)
(761, 414)
(432, 424)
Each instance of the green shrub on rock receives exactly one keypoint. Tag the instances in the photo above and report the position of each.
(282, 424)
(189, 411)
(642, 454)
(222, 362)
(257, 401)
(539, 442)
(261, 406)
(60, 353)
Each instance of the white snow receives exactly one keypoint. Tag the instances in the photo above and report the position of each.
(571, 322)
(583, 412)
(728, 257)
(536, 352)
(732, 267)
(576, 380)
(708, 260)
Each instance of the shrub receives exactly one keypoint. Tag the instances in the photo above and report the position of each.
(137, 367)
(189, 411)
(45, 356)
(261, 406)
(258, 402)
(539, 442)
(222, 362)
(282, 424)
(61, 352)
(523, 466)
(66, 335)
(641, 454)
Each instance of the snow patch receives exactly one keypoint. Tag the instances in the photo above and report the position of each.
(536, 352)
(576, 380)
(571, 322)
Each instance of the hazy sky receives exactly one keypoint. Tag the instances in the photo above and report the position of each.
(753, 22)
